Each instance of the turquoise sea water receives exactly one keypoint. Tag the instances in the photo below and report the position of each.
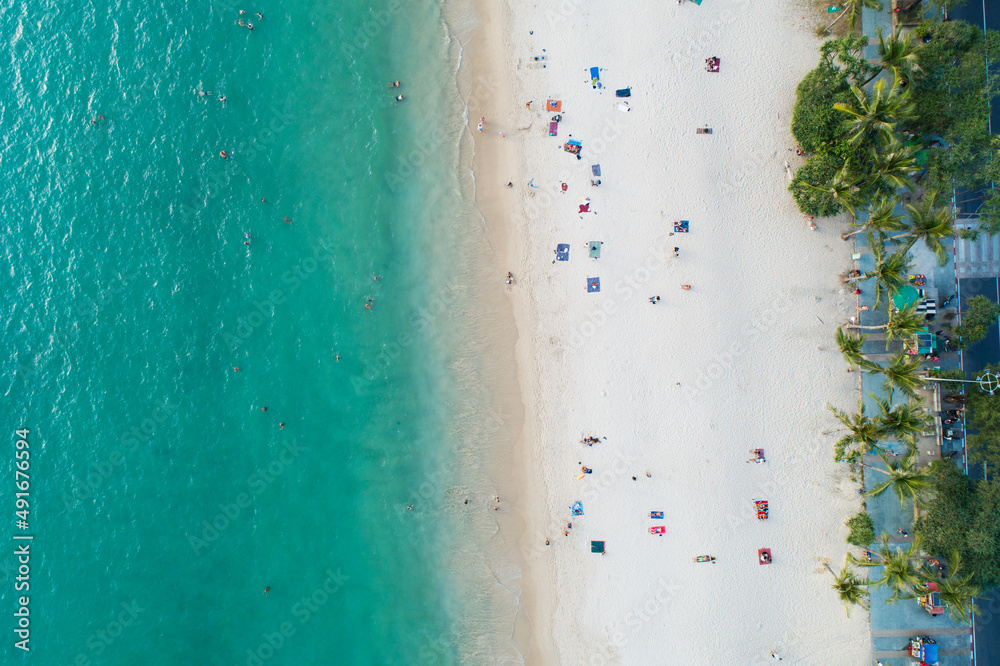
(164, 500)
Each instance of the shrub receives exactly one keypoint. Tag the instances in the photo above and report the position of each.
(862, 530)
(817, 126)
(818, 172)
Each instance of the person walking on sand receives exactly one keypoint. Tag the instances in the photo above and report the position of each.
(481, 122)
(774, 656)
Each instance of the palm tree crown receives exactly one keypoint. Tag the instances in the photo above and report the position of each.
(906, 479)
(876, 116)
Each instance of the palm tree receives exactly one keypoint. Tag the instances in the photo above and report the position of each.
(842, 190)
(853, 9)
(850, 587)
(894, 164)
(931, 223)
(901, 569)
(850, 345)
(891, 272)
(957, 591)
(878, 115)
(881, 218)
(862, 435)
(905, 478)
(903, 323)
(901, 373)
(899, 55)
(905, 421)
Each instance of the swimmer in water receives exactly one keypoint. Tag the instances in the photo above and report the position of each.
(266, 590)
(337, 357)
(260, 16)
(399, 98)
(394, 84)
(264, 408)
(286, 220)
(204, 93)
(222, 98)
(223, 154)
(281, 426)
(235, 369)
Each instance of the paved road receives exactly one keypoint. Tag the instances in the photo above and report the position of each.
(987, 351)
(984, 13)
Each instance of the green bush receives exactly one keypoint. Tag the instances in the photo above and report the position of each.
(817, 126)
(862, 530)
(818, 172)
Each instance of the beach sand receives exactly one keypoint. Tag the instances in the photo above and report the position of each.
(683, 389)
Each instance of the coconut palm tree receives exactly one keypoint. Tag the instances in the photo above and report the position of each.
(894, 164)
(901, 373)
(876, 116)
(957, 592)
(850, 345)
(881, 220)
(905, 421)
(891, 272)
(850, 587)
(903, 323)
(852, 8)
(932, 223)
(901, 569)
(862, 434)
(906, 479)
(897, 54)
(842, 190)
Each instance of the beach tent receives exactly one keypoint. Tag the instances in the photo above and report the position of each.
(595, 249)
(597, 547)
(593, 284)
(562, 252)
(906, 295)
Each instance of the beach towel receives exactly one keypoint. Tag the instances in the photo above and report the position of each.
(681, 226)
(593, 284)
(553, 129)
(624, 92)
(597, 547)
(704, 130)
(595, 77)
(595, 249)
(585, 206)
(656, 514)
(562, 252)
(659, 530)
(577, 508)
(553, 105)
(596, 170)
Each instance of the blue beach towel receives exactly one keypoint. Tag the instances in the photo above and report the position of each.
(593, 284)
(562, 252)
(681, 226)
(577, 508)
(595, 77)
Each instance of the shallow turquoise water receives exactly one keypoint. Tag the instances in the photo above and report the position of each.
(164, 499)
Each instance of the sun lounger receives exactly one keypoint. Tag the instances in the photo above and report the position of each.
(624, 92)
(681, 226)
(553, 129)
(553, 105)
(595, 249)
(593, 284)
(562, 252)
(595, 77)
(704, 130)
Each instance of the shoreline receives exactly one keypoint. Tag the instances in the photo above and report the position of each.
(604, 364)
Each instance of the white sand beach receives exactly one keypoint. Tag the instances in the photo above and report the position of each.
(685, 388)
